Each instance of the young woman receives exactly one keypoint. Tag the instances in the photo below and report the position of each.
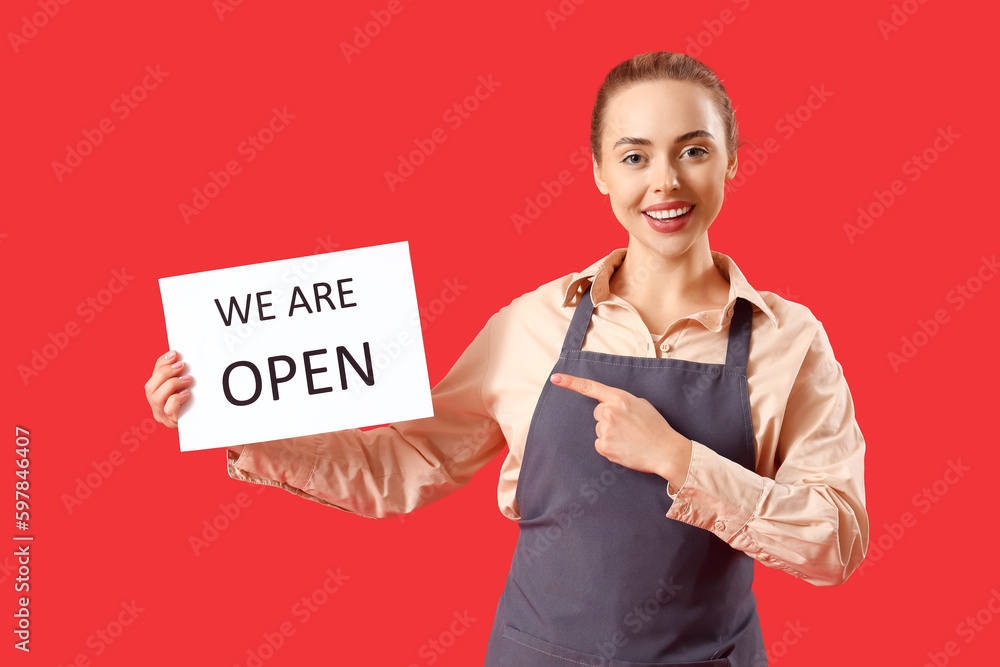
(667, 423)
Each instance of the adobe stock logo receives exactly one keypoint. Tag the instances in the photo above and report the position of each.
(898, 17)
(249, 149)
(122, 107)
(213, 527)
(957, 297)
(223, 7)
(103, 637)
(31, 25)
(60, 339)
(924, 502)
(562, 12)
(714, 28)
(637, 617)
(550, 190)
(973, 625)
(364, 33)
(914, 168)
(790, 637)
(102, 468)
(302, 610)
(454, 116)
(432, 649)
(753, 158)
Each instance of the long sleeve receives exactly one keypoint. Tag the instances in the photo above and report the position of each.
(809, 519)
(392, 469)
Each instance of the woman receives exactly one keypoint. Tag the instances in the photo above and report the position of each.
(725, 430)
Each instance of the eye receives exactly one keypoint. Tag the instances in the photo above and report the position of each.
(699, 151)
(628, 159)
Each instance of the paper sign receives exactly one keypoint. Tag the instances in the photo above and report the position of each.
(298, 346)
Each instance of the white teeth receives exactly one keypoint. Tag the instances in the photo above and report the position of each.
(664, 215)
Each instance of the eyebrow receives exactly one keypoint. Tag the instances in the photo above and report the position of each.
(639, 141)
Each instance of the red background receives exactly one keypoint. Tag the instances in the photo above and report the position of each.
(322, 180)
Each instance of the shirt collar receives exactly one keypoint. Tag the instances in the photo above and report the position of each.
(598, 275)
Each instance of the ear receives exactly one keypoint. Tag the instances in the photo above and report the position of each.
(599, 178)
(731, 169)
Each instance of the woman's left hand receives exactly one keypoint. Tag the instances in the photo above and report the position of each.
(631, 432)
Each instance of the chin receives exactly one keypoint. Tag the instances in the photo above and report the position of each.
(675, 246)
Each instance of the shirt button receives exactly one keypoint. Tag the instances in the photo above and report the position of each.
(664, 347)
(762, 556)
(720, 526)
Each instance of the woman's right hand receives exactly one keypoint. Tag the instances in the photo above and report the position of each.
(167, 389)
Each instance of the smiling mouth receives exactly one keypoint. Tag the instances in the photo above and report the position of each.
(668, 214)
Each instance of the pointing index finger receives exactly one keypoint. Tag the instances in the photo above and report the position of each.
(591, 388)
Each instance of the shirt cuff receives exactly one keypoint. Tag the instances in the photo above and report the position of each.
(718, 494)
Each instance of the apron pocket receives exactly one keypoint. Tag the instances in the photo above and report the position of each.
(519, 649)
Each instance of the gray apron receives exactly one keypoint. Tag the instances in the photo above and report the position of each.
(600, 576)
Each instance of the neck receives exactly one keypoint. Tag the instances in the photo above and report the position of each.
(654, 283)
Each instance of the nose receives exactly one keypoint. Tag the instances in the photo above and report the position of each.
(664, 177)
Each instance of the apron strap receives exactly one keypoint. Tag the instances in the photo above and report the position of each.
(739, 334)
(581, 321)
(738, 350)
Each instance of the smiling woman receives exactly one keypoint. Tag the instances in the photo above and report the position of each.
(664, 135)
(668, 425)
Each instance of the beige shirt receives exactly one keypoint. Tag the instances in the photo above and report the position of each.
(802, 510)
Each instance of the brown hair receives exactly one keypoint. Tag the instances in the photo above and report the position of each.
(656, 66)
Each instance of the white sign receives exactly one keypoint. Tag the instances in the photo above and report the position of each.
(298, 346)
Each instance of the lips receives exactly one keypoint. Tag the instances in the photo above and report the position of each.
(668, 216)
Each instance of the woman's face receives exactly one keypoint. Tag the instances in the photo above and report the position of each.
(664, 164)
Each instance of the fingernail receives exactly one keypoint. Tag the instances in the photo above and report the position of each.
(169, 356)
(184, 378)
(557, 378)
(177, 364)
(185, 392)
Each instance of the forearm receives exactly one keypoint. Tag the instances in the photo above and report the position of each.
(812, 528)
(377, 473)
